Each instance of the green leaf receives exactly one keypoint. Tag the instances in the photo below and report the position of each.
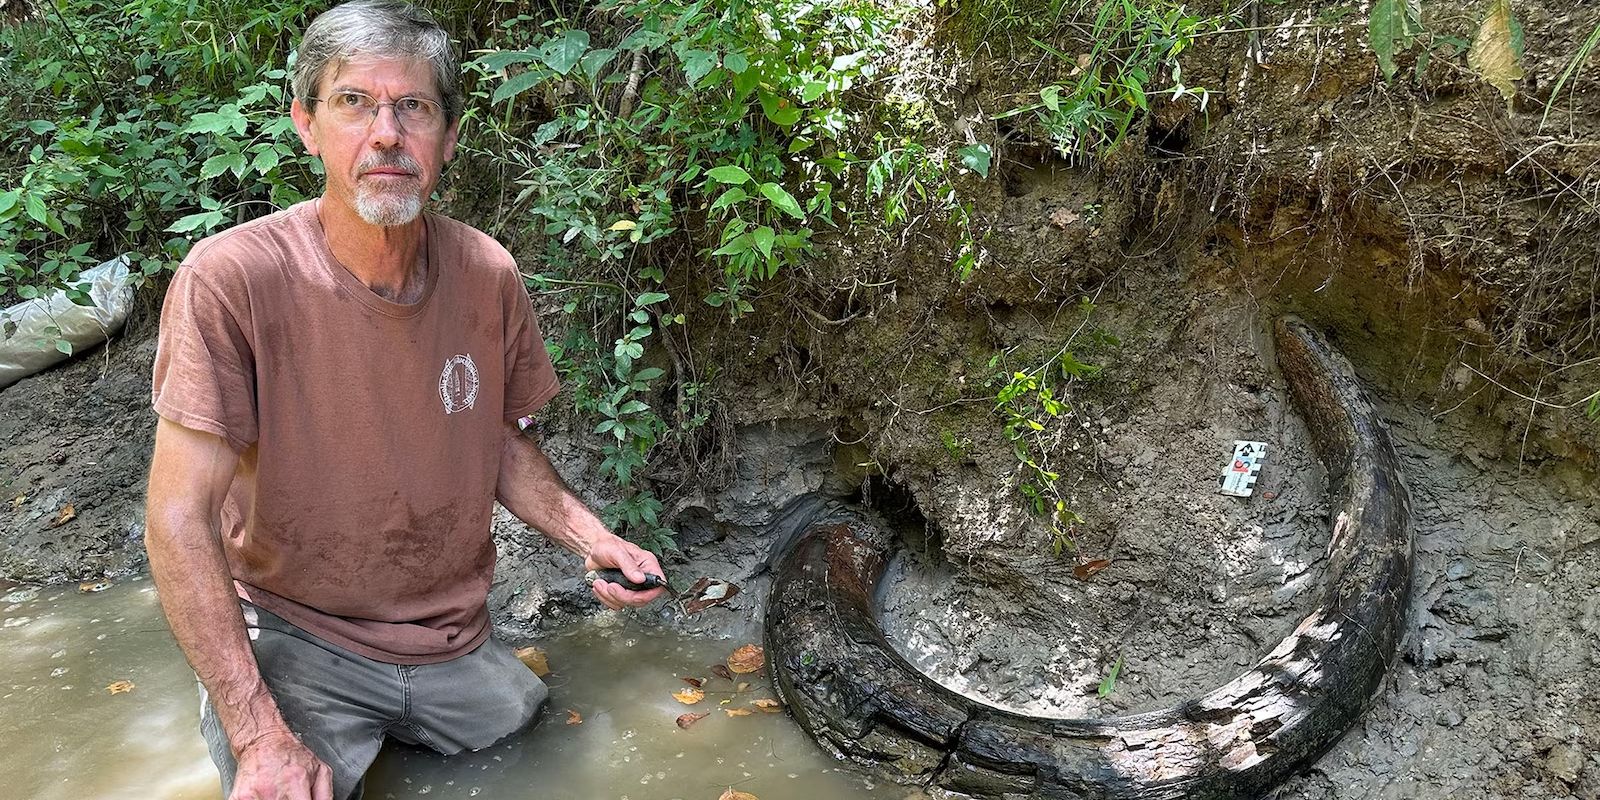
(812, 90)
(500, 59)
(64, 346)
(265, 161)
(1109, 685)
(220, 163)
(516, 85)
(976, 158)
(41, 126)
(650, 299)
(8, 201)
(595, 61)
(561, 53)
(735, 63)
(763, 237)
(205, 219)
(225, 119)
(728, 173)
(778, 109)
(696, 63)
(784, 201)
(1051, 97)
(35, 207)
(648, 374)
(734, 246)
(727, 199)
(1494, 53)
(847, 61)
(1390, 28)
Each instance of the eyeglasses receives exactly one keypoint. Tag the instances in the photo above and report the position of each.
(418, 114)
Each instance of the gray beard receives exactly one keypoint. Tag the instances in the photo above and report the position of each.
(387, 209)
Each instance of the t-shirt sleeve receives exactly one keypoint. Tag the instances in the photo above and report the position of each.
(204, 376)
(530, 377)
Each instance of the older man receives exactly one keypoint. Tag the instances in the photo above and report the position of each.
(338, 387)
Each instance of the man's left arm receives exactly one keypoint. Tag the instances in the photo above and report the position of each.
(530, 488)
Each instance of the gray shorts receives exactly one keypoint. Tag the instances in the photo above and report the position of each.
(342, 705)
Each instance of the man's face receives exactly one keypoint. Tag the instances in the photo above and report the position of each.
(377, 166)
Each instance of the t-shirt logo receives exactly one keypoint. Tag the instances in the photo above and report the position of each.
(458, 384)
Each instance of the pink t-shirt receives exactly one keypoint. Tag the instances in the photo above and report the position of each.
(369, 433)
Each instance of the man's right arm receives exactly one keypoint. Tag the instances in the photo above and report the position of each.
(189, 477)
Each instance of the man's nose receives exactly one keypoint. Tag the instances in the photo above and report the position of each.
(385, 130)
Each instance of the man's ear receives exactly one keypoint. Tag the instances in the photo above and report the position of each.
(302, 125)
(450, 137)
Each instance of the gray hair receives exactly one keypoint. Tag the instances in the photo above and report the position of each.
(381, 28)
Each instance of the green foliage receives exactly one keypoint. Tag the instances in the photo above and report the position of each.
(1577, 62)
(1108, 684)
(120, 140)
(1033, 406)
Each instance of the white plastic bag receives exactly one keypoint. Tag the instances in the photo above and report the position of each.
(30, 349)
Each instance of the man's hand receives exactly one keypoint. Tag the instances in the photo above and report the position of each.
(611, 550)
(278, 767)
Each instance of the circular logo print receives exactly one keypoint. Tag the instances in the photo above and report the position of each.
(458, 384)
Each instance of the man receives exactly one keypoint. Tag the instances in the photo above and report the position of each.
(338, 385)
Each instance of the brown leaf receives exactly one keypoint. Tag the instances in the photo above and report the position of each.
(90, 587)
(747, 659)
(1493, 55)
(685, 720)
(688, 697)
(721, 671)
(1063, 217)
(695, 682)
(16, 502)
(1089, 569)
(741, 687)
(738, 712)
(536, 660)
(574, 718)
(120, 687)
(732, 794)
(768, 705)
(64, 516)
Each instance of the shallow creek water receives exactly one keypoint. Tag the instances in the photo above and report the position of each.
(64, 734)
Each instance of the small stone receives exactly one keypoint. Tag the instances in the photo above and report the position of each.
(1564, 762)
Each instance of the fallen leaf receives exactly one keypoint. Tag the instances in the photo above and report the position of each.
(736, 795)
(688, 697)
(685, 720)
(721, 671)
(64, 516)
(1063, 217)
(738, 712)
(1496, 50)
(1269, 495)
(89, 587)
(695, 682)
(768, 705)
(1089, 569)
(16, 502)
(535, 659)
(741, 687)
(747, 659)
(574, 718)
(120, 687)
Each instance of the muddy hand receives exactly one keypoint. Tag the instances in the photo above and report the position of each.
(279, 767)
(637, 565)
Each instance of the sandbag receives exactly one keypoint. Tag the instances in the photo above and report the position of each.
(29, 349)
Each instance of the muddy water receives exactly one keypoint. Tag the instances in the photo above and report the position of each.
(64, 735)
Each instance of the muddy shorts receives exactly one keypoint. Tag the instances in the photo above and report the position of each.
(342, 705)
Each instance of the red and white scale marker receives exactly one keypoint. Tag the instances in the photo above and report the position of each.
(1239, 477)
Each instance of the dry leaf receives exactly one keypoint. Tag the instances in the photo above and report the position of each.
(747, 659)
(1089, 569)
(574, 718)
(706, 593)
(1494, 53)
(16, 502)
(768, 705)
(64, 516)
(535, 659)
(120, 687)
(721, 671)
(685, 720)
(688, 697)
(90, 587)
(1063, 217)
(738, 712)
(741, 687)
(695, 682)
(732, 794)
